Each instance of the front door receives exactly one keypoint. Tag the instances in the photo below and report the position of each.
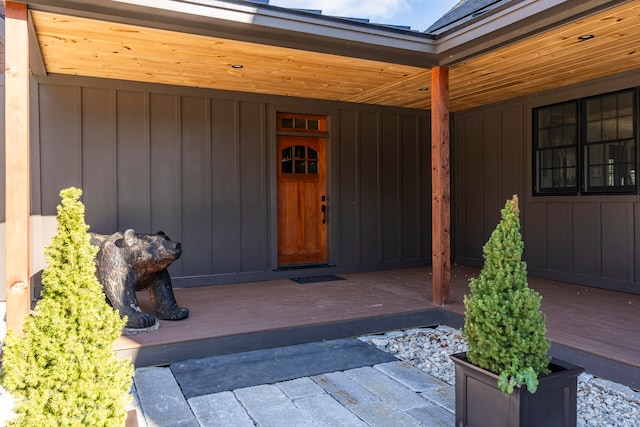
(302, 200)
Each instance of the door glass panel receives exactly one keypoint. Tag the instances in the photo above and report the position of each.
(287, 122)
(299, 159)
(313, 167)
(300, 124)
(287, 166)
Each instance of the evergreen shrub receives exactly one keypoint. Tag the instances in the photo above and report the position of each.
(504, 325)
(63, 371)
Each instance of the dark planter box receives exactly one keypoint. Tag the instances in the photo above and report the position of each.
(479, 401)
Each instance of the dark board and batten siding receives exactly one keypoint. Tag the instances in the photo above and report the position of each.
(590, 239)
(384, 188)
(196, 164)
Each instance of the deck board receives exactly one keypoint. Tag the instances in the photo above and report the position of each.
(596, 321)
(223, 310)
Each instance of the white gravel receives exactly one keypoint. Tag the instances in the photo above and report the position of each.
(601, 403)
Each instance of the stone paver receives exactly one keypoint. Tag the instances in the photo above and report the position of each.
(220, 409)
(325, 411)
(161, 400)
(444, 396)
(432, 415)
(300, 388)
(392, 393)
(412, 377)
(386, 389)
(344, 389)
(270, 407)
(380, 414)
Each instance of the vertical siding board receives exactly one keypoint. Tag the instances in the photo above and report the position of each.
(631, 226)
(425, 188)
(409, 186)
(390, 187)
(512, 159)
(99, 163)
(196, 186)
(369, 143)
(474, 189)
(636, 240)
(558, 237)
(615, 248)
(458, 187)
(348, 188)
(165, 169)
(133, 161)
(492, 171)
(59, 147)
(253, 209)
(585, 253)
(225, 208)
(533, 234)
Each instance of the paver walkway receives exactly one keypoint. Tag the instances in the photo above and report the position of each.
(381, 394)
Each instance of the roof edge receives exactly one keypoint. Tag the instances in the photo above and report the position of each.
(259, 23)
(512, 22)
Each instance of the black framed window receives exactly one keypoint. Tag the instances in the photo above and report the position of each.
(556, 148)
(586, 146)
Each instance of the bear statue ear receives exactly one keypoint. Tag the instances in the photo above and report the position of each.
(162, 233)
(129, 236)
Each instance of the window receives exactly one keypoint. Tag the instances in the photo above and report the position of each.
(586, 146)
(301, 123)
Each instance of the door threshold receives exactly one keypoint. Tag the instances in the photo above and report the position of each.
(302, 266)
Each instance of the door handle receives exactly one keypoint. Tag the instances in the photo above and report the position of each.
(324, 213)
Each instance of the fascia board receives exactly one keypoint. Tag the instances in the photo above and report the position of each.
(512, 23)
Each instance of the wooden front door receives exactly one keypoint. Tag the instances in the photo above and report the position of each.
(302, 200)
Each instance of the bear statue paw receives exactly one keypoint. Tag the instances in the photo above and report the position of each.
(139, 320)
(177, 313)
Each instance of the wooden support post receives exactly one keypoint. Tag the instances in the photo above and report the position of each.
(440, 186)
(17, 209)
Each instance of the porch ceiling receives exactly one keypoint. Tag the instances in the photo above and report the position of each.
(547, 60)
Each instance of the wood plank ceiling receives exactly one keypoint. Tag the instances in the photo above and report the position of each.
(80, 46)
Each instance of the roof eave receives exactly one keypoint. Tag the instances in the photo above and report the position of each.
(257, 23)
(510, 23)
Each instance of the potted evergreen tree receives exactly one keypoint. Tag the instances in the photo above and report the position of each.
(63, 371)
(506, 378)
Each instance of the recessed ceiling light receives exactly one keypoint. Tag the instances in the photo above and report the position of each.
(586, 37)
(238, 66)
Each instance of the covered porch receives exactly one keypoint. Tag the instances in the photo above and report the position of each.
(594, 328)
(484, 60)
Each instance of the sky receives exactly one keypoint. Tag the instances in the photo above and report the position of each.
(419, 14)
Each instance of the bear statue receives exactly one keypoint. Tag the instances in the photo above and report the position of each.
(127, 262)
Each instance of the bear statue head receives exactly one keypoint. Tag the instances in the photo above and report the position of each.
(150, 249)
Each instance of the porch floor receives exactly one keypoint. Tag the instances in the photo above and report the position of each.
(594, 328)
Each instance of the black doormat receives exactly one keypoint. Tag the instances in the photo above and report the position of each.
(198, 377)
(317, 279)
